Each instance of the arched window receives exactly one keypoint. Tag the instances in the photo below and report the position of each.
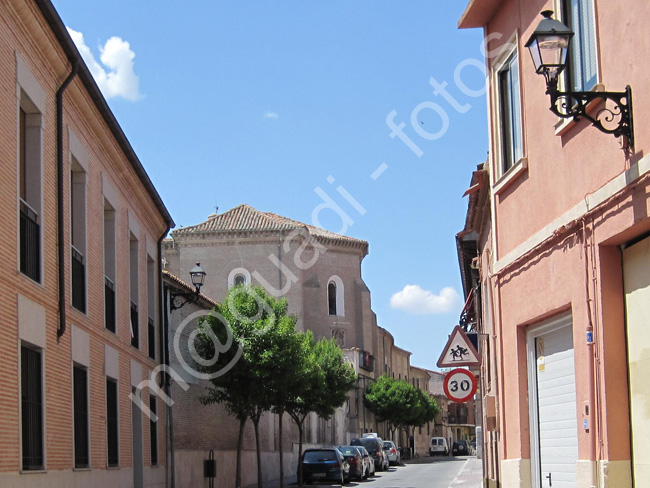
(331, 297)
(239, 276)
(335, 297)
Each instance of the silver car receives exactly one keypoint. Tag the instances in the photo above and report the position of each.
(392, 452)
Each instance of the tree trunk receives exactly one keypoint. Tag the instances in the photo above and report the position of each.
(281, 414)
(300, 451)
(240, 441)
(256, 425)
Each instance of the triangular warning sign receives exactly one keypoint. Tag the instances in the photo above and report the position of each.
(459, 351)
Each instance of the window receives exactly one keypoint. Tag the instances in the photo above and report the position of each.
(29, 137)
(109, 267)
(78, 234)
(510, 113)
(331, 297)
(151, 306)
(239, 276)
(133, 270)
(335, 296)
(32, 408)
(582, 65)
(153, 429)
(112, 426)
(81, 448)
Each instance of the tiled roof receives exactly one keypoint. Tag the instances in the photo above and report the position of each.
(245, 218)
(187, 286)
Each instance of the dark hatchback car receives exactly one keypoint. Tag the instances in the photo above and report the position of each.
(326, 464)
(375, 448)
(460, 448)
(355, 459)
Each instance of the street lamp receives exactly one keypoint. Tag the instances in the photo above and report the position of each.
(178, 299)
(548, 47)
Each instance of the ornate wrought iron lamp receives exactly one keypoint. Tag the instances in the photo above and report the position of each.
(178, 299)
(548, 46)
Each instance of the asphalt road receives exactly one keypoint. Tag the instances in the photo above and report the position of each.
(443, 473)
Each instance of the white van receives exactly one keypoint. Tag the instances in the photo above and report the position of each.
(438, 445)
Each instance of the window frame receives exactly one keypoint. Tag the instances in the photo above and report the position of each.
(116, 464)
(41, 377)
(567, 80)
(109, 219)
(509, 62)
(79, 172)
(153, 431)
(339, 298)
(79, 367)
(234, 273)
(29, 167)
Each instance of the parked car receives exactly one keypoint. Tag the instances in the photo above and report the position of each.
(392, 452)
(370, 462)
(355, 459)
(460, 448)
(438, 446)
(326, 464)
(375, 447)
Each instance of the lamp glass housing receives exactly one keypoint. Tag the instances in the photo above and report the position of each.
(549, 45)
(198, 276)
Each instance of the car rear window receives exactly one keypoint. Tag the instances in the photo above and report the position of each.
(348, 451)
(369, 443)
(316, 456)
(388, 445)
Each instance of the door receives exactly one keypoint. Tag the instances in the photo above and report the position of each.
(552, 403)
(636, 280)
(136, 435)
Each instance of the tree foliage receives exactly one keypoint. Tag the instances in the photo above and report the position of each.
(244, 375)
(400, 403)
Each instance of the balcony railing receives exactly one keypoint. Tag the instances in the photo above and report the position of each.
(135, 326)
(78, 280)
(30, 242)
(151, 338)
(109, 304)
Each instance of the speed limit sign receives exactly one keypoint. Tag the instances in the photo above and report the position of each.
(459, 385)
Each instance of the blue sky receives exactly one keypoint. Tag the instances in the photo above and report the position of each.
(260, 102)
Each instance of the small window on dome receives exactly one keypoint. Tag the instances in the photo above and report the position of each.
(240, 279)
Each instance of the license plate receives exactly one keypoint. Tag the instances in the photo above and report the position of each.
(318, 475)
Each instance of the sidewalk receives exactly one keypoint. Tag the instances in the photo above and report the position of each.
(470, 475)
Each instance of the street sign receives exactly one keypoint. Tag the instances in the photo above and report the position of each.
(459, 385)
(459, 351)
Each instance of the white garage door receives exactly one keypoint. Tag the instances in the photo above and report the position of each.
(554, 424)
(636, 273)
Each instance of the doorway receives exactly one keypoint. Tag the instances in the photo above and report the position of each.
(552, 404)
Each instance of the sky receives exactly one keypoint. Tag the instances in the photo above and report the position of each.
(296, 108)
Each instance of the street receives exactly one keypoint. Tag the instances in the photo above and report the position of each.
(462, 471)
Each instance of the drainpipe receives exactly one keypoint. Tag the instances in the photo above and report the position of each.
(59, 192)
(164, 359)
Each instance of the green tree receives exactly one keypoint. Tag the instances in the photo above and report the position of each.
(327, 380)
(255, 325)
(400, 403)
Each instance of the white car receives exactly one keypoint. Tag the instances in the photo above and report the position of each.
(392, 453)
(438, 446)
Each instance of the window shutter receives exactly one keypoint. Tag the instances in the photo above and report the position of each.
(576, 46)
(517, 139)
(588, 29)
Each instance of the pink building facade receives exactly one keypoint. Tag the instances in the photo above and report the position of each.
(560, 219)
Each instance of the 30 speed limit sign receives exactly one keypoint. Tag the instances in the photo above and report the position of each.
(459, 385)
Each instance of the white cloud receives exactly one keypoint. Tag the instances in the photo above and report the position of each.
(114, 76)
(271, 115)
(413, 299)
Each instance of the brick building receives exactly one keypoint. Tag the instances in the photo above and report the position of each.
(79, 278)
(319, 273)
